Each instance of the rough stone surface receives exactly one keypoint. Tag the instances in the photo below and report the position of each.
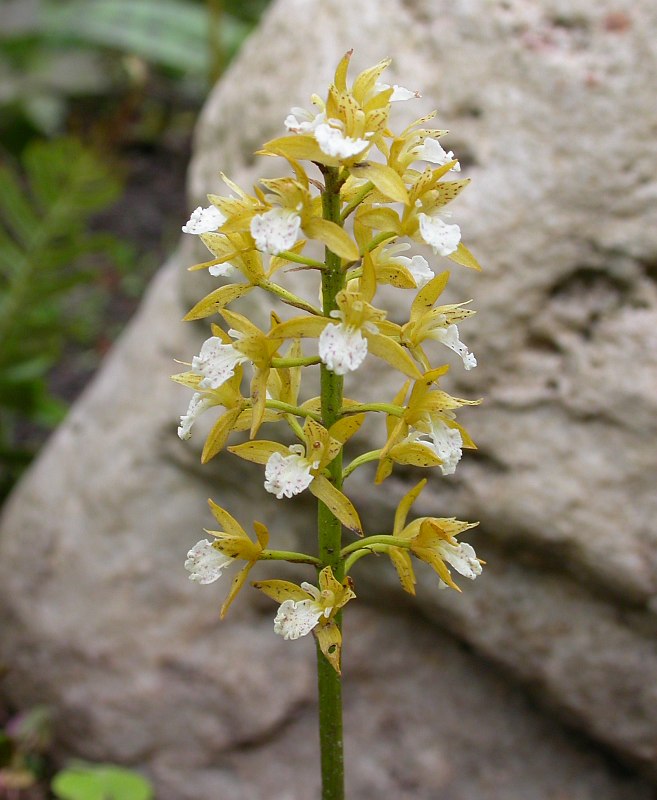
(554, 118)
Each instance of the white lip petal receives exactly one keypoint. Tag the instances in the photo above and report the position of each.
(334, 143)
(275, 230)
(449, 336)
(431, 150)
(296, 618)
(444, 442)
(462, 558)
(443, 238)
(205, 564)
(204, 220)
(447, 444)
(398, 92)
(197, 405)
(225, 270)
(419, 268)
(342, 348)
(301, 121)
(286, 476)
(216, 362)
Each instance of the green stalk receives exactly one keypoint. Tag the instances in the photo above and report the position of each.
(287, 555)
(279, 405)
(329, 528)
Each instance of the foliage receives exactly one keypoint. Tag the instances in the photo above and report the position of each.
(53, 51)
(23, 743)
(45, 253)
(100, 782)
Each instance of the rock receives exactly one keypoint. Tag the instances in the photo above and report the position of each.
(553, 118)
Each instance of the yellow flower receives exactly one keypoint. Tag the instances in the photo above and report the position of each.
(308, 609)
(362, 328)
(429, 412)
(206, 560)
(290, 470)
(427, 322)
(432, 540)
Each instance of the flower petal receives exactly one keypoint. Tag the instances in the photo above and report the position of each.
(225, 270)
(334, 143)
(443, 238)
(301, 121)
(216, 362)
(447, 444)
(419, 268)
(296, 618)
(286, 476)
(462, 558)
(204, 563)
(398, 92)
(197, 405)
(275, 230)
(342, 348)
(449, 336)
(204, 220)
(431, 150)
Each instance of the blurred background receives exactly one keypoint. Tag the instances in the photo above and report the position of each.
(98, 100)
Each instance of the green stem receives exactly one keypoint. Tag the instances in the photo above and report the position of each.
(307, 361)
(383, 538)
(358, 554)
(329, 527)
(279, 405)
(288, 555)
(381, 237)
(386, 408)
(290, 298)
(294, 424)
(367, 188)
(364, 458)
(288, 255)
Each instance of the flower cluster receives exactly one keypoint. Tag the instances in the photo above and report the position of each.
(366, 194)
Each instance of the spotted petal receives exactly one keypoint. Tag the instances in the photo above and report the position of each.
(204, 220)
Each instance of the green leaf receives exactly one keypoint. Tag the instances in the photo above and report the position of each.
(171, 33)
(45, 211)
(100, 782)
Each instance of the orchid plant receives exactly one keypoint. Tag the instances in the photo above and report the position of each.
(364, 193)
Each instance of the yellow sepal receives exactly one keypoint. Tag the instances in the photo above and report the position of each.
(385, 348)
(333, 236)
(345, 428)
(405, 506)
(300, 147)
(386, 180)
(217, 300)
(337, 502)
(427, 296)
(379, 218)
(226, 520)
(219, 434)
(259, 451)
(300, 328)
(365, 83)
(329, 640)
(280, 591)
(401, 560)
(236, 585)
(414, 454)
(464, 257)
